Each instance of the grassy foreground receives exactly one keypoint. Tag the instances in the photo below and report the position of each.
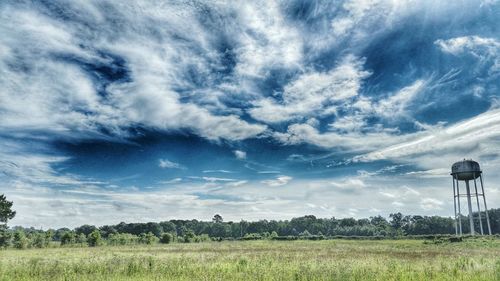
(261, 260)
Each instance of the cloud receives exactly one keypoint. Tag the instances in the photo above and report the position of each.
(167, 164)
(240, 154)
(88, 81)
(475, 137)
(431, 204)
(313, 94)
(350, 184)
(486, 50)
(279, 181)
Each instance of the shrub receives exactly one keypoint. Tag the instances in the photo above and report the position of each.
(39, 240)
(81, 239)
(122, 239)
(94, 238)
(189, 236)
(20, 241)
(67, 238)
(167, 238)
(148, 238)
(251, 236)
(5, 238)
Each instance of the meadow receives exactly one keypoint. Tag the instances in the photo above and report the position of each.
(477, 259)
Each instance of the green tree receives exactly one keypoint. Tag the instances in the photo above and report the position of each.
(189, 236)
(166, 238)
(20, 240)
(85, 229)
(148, 238)
(217, 219)
(67, 238)
(81, 239)
(39, 240)
(5, 238)
(94, 238)
(6, 212)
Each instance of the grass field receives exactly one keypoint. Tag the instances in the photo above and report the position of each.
(261, 260)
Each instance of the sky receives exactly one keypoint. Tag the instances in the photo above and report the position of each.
(117, 111)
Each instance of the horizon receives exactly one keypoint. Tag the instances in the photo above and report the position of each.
(152, 111)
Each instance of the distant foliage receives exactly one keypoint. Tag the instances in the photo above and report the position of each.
(194, 231)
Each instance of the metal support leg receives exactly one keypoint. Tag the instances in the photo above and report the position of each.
(469, 204)
(478, 208)
(485, 207)
(459, 210)
(455, 206)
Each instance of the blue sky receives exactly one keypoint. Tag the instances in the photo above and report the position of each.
(112, 111)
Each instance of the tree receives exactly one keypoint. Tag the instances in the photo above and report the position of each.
(39, 240)
(85, 229)
(94, 238)
(166, 238)
(68, 237)
(20, 240)
(217, 219)
(148, 238)
(6, 212)
(81, 239)
(189, 236)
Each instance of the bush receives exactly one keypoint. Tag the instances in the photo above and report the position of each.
(285, 238)
(5, 238)
(94, 238)
(202, 238)
(167, 238)
(81, 239)
(189, 236)
(122, 239)
(39, 240)
(148, 238)
(20, 241)
(252, 236)
(67, 238)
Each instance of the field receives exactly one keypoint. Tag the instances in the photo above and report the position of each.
(477, 259)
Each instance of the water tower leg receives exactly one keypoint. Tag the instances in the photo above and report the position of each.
(485, 207)
(459, 210)
(478, 207)
(455, 206)
(469, 203)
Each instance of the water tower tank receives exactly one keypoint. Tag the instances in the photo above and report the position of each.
(465, 170)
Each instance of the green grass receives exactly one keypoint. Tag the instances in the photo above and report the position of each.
(261, 260)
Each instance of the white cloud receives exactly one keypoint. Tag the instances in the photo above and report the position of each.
(431, 204)
(486, 50)
(472, 138)
(280, 180)
(396, 105)
(314, 93)
(240, 154)
(65, 100)
(167, 164)
(350, 184)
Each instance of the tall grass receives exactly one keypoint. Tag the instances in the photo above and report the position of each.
(261, 260)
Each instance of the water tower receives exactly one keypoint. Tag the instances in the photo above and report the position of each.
(464, 172)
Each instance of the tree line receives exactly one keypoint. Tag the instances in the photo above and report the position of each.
(186, 231)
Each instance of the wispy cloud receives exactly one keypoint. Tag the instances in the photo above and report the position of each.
(240, 154)
(167, 164)
(278, 181)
